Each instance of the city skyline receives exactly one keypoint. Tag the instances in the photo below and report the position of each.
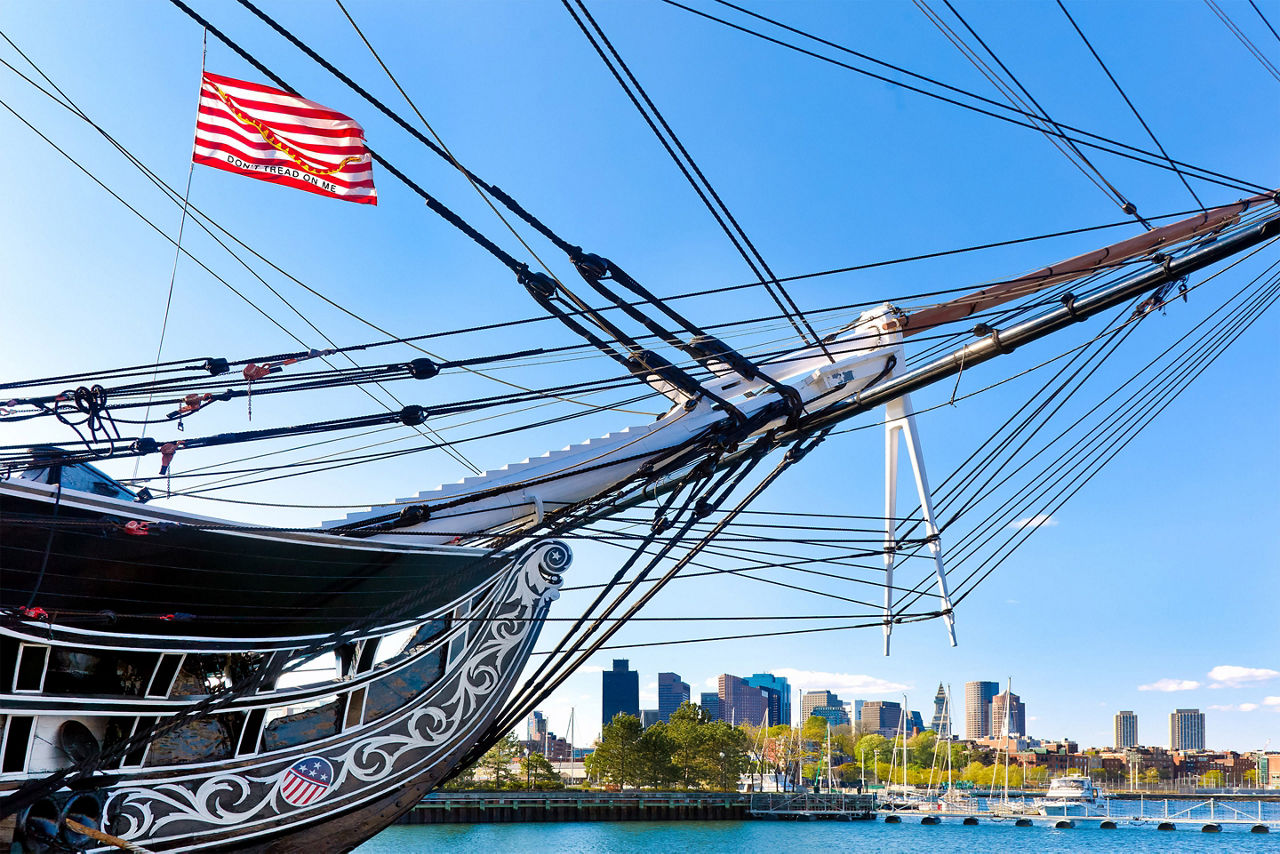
(1021, 723)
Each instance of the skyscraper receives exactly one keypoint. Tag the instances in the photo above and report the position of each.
(1126, 730)
(672, 692)
(1008, 708)
(915, 722)
(649, 717)
(741, 703)
(773, 705)
(941, 722)
(1186, 730)
(619, 691)
(977, 708)
(535, 727)
(811, 700)
(780, 685)
(711, 705)
(883, 717)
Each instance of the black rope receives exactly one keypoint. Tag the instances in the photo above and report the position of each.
(1121, 149)
(1231, 25)
(719, 211)
(1264, 20)
(1124, 203)
(1132, 108)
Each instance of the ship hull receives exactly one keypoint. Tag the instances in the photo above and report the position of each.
(317, 766)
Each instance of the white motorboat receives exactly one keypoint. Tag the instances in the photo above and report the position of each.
(1073, 795)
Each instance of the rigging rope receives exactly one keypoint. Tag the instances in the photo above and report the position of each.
(685, 162)
(1132, 108)
(1112, 146)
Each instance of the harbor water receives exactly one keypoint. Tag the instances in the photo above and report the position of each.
(735, 837)
(653, 837)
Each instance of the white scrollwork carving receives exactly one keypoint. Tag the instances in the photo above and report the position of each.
(427, 729)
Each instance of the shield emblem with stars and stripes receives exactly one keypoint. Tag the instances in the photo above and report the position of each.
(307, 781)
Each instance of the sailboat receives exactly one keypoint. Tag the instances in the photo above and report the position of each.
(180, 681)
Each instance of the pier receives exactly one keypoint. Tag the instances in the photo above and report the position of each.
(1209, 816)
(484, 807)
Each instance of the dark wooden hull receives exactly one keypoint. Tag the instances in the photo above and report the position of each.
(385, 731)
(86, 568)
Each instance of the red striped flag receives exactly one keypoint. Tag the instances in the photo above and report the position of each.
(274, 136)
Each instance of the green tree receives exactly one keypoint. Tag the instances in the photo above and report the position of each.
(1251, 777)
(920, 749)
(655, 767)
(685, 730)
(1212, 779)
(539, 773)
(877, 747)
(616, 758)
(725, 755)
(496, 763)
(1151, 775)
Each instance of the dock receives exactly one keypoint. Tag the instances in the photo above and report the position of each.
(1209, 816)
(812, 806)
(570, 805)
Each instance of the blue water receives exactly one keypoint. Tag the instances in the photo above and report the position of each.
(768, 837)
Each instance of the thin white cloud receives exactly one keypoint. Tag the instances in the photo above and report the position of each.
(1242, 707)
(1271, 701)
(847, 685)
(1040, 520)
(1171, 685)
(1248, 707)
(1232, 675)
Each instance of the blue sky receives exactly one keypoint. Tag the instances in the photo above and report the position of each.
(1157, 575)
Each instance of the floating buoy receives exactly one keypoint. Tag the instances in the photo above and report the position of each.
(892, 819)
(1107, 825)
(929, 819)
(1166, 825)
(1064, 824)
(1211, 828)
(1022, 822)
(970, 820)
(1259, 828)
